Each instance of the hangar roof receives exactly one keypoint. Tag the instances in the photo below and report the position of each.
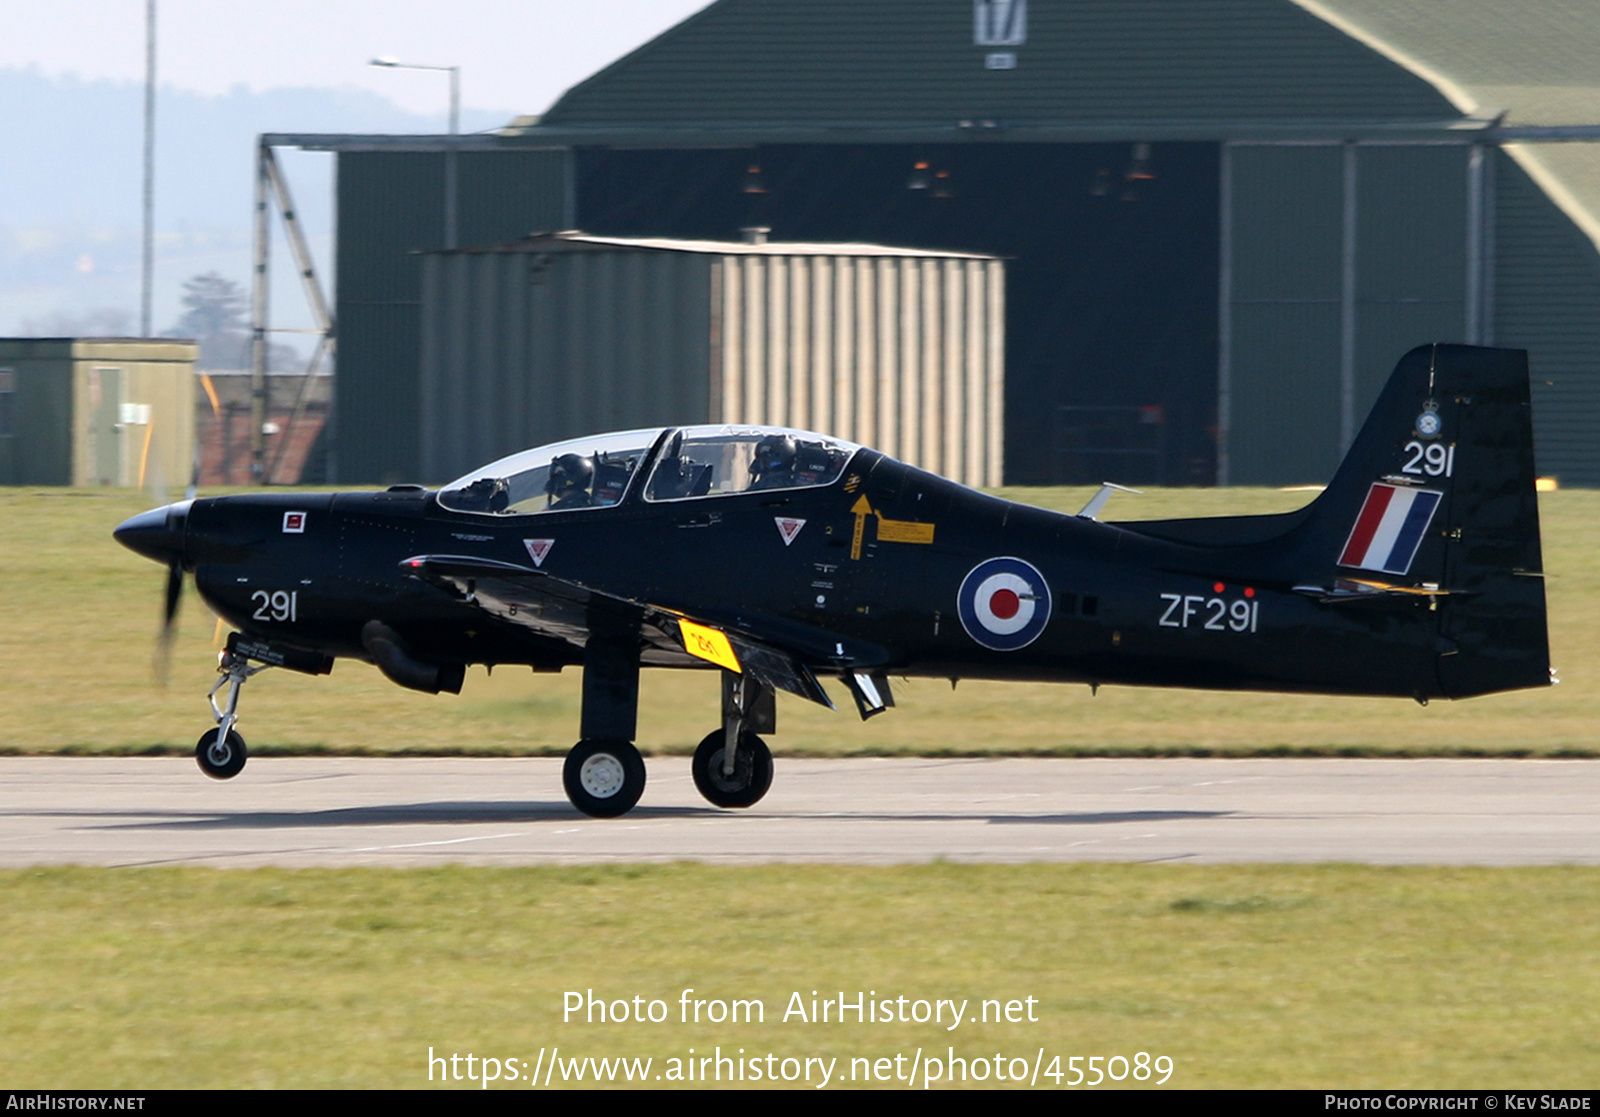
(767, 71)
(1536, 61)
(864, 64)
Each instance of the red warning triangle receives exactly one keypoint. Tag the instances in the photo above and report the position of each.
(538, 548)
(788, 528)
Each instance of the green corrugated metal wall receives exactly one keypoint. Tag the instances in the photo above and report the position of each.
(1288, 206)
(1304, 331)
(524, 348)
(1547, 300)
(1136, 61)
(39, 451)
(391, 206)
(1411, 257)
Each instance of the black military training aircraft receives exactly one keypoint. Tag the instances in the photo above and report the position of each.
(783, 557)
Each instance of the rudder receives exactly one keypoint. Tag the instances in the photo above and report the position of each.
(1437, 494)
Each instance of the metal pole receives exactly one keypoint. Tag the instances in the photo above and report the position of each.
(455, 100)
(450, 198)
(1474, 292)
(1225, 317)
(148, 263)
(1347, 306)
(1486, 282)
(297, 241)
(258, 324)
(450, 166)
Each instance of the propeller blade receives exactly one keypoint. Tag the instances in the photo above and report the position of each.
(174, 593)
(169, 627)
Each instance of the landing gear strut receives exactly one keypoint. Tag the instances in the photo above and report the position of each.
(738, 776)
(604, 774)
(220, 752)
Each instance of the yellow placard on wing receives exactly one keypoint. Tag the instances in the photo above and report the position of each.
(708, 644)
(903, 531)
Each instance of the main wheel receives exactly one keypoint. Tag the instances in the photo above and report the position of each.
(752, 771)
(604, 778)
(220, 759)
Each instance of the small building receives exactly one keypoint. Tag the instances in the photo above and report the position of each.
(96, 411)
(562, 335)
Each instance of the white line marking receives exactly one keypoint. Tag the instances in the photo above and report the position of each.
(418, 845)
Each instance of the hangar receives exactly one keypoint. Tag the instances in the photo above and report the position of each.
(1223, 220)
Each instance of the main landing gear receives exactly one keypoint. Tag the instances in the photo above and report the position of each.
(604, 778)
(737, 776)
(604, 775)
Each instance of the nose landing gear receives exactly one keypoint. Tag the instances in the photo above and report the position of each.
(221, 752)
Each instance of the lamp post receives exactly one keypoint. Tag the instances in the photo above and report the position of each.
(147, 248)
(449, 152)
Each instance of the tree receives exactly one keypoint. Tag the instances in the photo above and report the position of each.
(216, 315)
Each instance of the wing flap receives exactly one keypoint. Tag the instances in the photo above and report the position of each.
(780, 654)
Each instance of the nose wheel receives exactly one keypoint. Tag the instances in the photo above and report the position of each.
(220, 756)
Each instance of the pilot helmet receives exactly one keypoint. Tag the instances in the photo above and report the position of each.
(775, 453)
(569, 473)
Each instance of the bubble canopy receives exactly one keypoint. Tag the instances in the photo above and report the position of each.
(692, 463)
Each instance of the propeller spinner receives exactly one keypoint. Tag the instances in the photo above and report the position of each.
(159, 535)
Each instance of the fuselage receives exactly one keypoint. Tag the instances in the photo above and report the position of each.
(882, 556)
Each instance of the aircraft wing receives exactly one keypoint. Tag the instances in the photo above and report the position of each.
(781, 654)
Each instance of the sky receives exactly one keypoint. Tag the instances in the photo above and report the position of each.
(516, 55)
(71, 73)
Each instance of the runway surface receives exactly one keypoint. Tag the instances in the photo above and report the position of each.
(360, 811)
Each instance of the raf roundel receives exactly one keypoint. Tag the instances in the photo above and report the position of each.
(1004, 604)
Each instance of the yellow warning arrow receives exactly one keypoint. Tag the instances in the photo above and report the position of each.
(862, 510)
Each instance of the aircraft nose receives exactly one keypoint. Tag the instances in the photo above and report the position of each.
(156, 534)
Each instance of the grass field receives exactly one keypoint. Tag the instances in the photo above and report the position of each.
(81, 615)
(1244, 976)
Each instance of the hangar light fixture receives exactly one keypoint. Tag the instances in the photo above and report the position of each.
(1139, 169)
(455, 83)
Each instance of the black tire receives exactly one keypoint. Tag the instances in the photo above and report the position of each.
(752, 771)
(604, 778)
(220, 761)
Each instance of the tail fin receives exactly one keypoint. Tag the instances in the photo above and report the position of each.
(1437, 496)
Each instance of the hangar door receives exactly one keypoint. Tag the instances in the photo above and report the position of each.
(1336, 260)
(1111, 273)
